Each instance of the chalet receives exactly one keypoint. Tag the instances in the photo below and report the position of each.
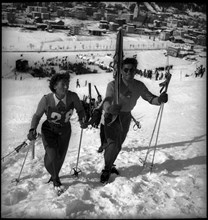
(104, 24)
(165, 35)
(96, 32)
(45, 16)
(75, 30)
(113, 26)
(36, 14)
(173, 51)
(121, 21)
(177, 39)
(130, 29)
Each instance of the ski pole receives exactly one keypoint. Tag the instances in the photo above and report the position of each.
(76, 169)
(137, 124)
(151, 166)
(18, 179)
(164, 85)
(144, 162)
(17, 149)
(33, 149)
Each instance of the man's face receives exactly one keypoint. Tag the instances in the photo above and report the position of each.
(128, 72)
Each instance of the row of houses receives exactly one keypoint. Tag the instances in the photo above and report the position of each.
(168, 29)
(176, 35)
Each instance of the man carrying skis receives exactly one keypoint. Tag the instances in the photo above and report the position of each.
(115, 132)
(56, 129)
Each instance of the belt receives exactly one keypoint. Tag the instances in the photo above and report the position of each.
(57, 125)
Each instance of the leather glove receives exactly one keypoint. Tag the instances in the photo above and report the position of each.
(163, 98)
(114, 109)
(83, 123)
(32, 134)
(95, 119)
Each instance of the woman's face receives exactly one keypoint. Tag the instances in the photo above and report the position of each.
(128, 72)
(61, 87)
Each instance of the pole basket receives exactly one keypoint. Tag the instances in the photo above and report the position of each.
(76, 171)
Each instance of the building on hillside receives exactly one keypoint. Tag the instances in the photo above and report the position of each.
(60, 12)
(173, 51)
(42, 9)
(81, 15)
(36, 14)
(104, 24)
(56, 22)
(172, 23)
(179, 32)
(38, 20)
(127, 17)
(111, 17)
(189, 37)
(130, 28)
(113, 26)
(9, 16)
(29, 9)
(75, 30)
(164, 35)
(201, 40)
(121, 21)
(140, 31)
(96, 32)
(89, 10)
(41, 26)
(45, 16)
(97, 15)
(80, 12)
(176, 39)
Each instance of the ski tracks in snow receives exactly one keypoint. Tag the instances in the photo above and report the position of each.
(134, 193)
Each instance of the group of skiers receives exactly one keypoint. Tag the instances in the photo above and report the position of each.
(114, 118)
(199, 72)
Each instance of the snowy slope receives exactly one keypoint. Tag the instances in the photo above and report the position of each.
(175, 188)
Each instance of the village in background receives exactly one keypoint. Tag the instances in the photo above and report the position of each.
(180, 29)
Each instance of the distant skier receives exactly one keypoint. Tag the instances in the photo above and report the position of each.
(77, 83)
(56, 129)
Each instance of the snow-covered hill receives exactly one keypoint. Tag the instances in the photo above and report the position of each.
(176, 187)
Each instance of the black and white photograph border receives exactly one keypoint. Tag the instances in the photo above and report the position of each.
(79, 38)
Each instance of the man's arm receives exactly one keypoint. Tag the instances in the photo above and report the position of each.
(149, 97)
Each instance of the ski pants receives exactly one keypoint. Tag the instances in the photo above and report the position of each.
(102, 135)
(115, 135)
(55, 141)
